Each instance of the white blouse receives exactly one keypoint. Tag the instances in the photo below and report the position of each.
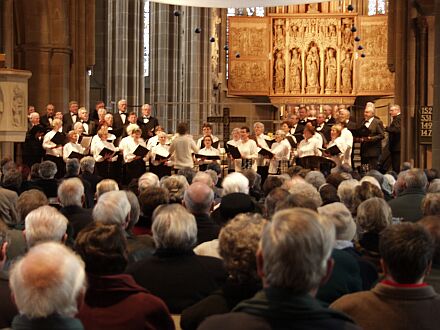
(99, 146)
(72, 147)
(309, 147)
(128, 147)
(48, 145)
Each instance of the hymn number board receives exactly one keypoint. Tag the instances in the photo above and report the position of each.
(425, 125)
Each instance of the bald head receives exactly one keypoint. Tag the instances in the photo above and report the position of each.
(199, 198)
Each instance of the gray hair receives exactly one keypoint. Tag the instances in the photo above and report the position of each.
(374, 215)
(341, 217)
(148, 180)
(415, 178)
(43, 224)
(135, 209)
(28, 201)
(289, 262)
(346, 191)
(203, 177)
(106, 185)
(72, 166)
(258, 124)
(434, 186)
(47, 281)
(315, 178)
(174, 227)
(112, 207)
(307, 190)
(87, 164)
(431, 204)
(47, 169)
(71, 192)
(235, 182)
(198, 198)
(176, 186)
(372, 180)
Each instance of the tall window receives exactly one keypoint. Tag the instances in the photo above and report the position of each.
(146, 38)
(377, 7)
(251, 11)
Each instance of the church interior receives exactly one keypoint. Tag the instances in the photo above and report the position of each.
(190, 63)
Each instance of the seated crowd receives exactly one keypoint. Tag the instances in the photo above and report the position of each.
(192, 250)
(123, 238)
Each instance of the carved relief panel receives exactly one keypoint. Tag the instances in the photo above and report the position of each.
(374, 78)
(312, 55)
(249, 51)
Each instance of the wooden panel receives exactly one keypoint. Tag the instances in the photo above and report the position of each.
(249, 38)
(373, 76)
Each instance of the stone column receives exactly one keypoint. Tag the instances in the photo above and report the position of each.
(436, 92)
(7, 40)
(125, 49)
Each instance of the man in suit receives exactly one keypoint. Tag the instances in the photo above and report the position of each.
(88, 125)
(302, 115)
(371, 145)
(394, 136)
(120, 119)
(147, 122)
(70, 118)
(322, 127)
(296, 128)
(46, 119)
(330, 120)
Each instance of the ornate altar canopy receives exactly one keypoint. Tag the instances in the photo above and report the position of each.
(309, 57)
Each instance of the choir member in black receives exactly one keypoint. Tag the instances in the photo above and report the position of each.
(147, 122)
(105, 161)
(134, 164)
(33, 150)
(47, 119)
(160, 163)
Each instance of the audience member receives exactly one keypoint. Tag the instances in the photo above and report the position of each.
(149, 199)
(432, 224)
(199, 200)
(407, 204)
(402, 299)
(71, 197)
(113, 299)
(431, 204)
(45, 224)
(47, 286)
(174, 273)
(106, 185)
(291, 273)
(176, 186)
(373, 216)
(238, 244)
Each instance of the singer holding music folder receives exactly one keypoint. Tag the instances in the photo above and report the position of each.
(134, 151)
(105, 154)
(337, 149)
(72, 149)
(53, 143)
(248, 150)
(208, 154)
(159, 157)
(279, 163)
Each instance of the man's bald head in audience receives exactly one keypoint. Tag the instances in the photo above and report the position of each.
(199, 198)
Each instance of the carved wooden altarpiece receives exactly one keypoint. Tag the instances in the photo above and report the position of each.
(309, 58)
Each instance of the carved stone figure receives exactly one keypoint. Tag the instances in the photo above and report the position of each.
(295, 72)
(280, 69)
(346, 73)
(17, 106)
(279, 35)
(312, 66)
(331, 71)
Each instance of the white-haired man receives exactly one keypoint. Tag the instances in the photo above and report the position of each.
(44, 224)
(71, 197)
(147, 122)
(47, 285)
(199, 200)
(291, 272)
(371, 145)
(120, 118)
(112, 207)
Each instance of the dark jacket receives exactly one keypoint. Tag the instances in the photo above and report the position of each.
(279, 309)
(78, 217)
(148, 128)
(407, 205)
(52, 322)
(394, 134)
(180, 278)
(117, 302)
(207, 229)
(373, 147)
(7, 308)
(219, 302)
(345, 278)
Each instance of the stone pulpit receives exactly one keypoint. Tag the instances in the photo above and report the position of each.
(13, 109)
